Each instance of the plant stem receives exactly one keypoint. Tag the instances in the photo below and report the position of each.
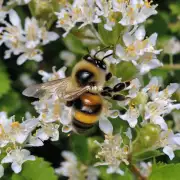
(171, 67)
(93, 29)
(136, 172)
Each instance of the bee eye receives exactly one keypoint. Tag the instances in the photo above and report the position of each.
(84, 77)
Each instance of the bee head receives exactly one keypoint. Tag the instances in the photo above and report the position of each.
(98, 63)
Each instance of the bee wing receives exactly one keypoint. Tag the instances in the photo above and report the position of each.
(63, 88)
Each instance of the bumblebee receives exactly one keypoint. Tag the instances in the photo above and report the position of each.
(83, 91)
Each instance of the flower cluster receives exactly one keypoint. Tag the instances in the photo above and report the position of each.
(73, 169)
(13, 136)
(25, 42)
(126, 13)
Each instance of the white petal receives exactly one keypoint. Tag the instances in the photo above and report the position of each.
(153, 38)
(176, 138)
(1, 171)
(128, 39)
(160, 121)
(21, 59)
(120, 52)
(140, 33)
(169, 151)
(172, 88)
(106, 126)
(52, 36)
(7, 159)
(16, 167)
(14, 18)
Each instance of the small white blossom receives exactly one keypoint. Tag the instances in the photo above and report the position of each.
(170, 142)
(112, 152)
(17, 157)
(69, 167)
(136, 11)
(172, 46)
(48, 130)
(24, 42)
(131, 116)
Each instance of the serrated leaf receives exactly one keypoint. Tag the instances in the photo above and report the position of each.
(80, 147)
(74, 44)
(165, 172)
(36, 170)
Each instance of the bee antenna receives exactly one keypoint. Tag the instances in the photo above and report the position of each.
(107, 56)
(100, 51)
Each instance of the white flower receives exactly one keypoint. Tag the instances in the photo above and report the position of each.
(80, 11)
(131, 116)
(17, 157)
(5, 123)
(69, 168)
(133, 88)
(136, 11)
(19, 132)
(48, 130)
(172, 46)
(92, 173)
(154, 110)
(104, 8)
(25, 42)
(170, 142)
(141, 52)
(66, 118)
(47, 36)
(112, 152)
(34, 141)
(54, 75)
(30, 54)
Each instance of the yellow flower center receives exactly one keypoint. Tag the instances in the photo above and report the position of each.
(15, 125)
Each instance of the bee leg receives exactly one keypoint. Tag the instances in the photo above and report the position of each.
(120, 86)
(119, 97)
(106, 93)
(108, 76)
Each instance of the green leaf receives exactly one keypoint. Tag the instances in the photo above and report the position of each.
(110, 37)
(80, 147)
(165, 172)
(4, 79)
(74, 44)
(36, 170)
(146, 155)
(6, 102)
(126, 70)
(175, 8)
